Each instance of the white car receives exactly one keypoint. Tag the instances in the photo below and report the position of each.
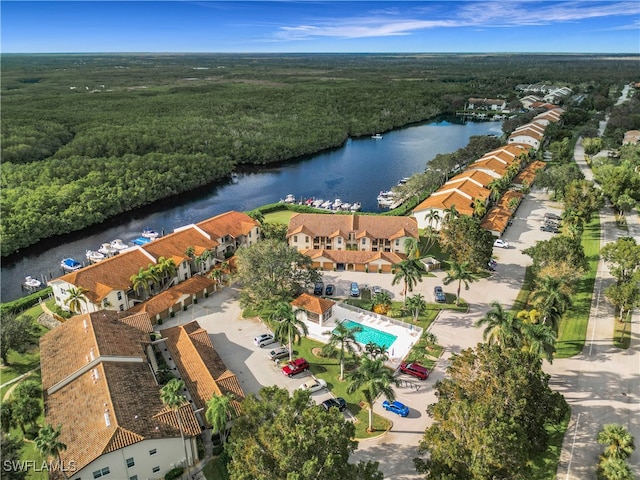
(264, 339)
(313, 385)
(500, 243)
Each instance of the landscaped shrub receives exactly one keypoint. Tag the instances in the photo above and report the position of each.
(174, 473)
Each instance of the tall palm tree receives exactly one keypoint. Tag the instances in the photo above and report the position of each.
(49, 445)
(76, 298)
(501, 327)
(450, 214)
(373, 378)
(539, 339)
(219, 411)
(433, 217)
(344, 340)
(171, 396)
(495, 188)
(166, 268)
(461, 273)
(412, 247)
(288, 325)
(216, 274)
(552, 297)
(416, 304)
(140, 281)
(374, 351)
(619, 442)
(408, 271)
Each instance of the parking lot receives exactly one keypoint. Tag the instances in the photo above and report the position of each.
(232, 336)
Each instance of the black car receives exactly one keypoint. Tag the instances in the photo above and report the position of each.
(549, 228)
(330, 290)
(318, 289)
(552, 216)
(339, 403)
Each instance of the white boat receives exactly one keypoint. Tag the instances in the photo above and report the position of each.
(94, 256)
(119, 244)
(336, 204)
(107, 250)
(376, 136)
(326, 204)
(345, 206)
(290, 198)
(32, 283)
(234, 177)
(150, 233)
(70, 265)
(317, 203)
(355, 206)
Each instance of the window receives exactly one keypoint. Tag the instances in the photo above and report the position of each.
(306, 239)
(105, 302)
(101, 473)
(130, 462)
(364, 241)
(156, 469)
(133, 477)
(339, 240)
(153, 452)
(121, 307)
(295, 239)
(119, 295)
(397, 242)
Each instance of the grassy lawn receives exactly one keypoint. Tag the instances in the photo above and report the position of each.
(545, 465)
(328, 368)
(279, 216)
(522, 301)
(573, 326)
(216, 469)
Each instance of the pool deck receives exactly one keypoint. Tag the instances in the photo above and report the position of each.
(406, 333)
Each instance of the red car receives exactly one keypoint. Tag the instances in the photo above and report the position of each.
(295, 366)
(414, 369)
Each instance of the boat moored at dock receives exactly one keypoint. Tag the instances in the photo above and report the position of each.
(32, 284)
(70, 265)
(95, 256)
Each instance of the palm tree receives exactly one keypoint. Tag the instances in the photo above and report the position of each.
(552, 297)
(479, 208)
(375, 351)
(417, 304)
(76, 298)
(513, 204)
(450, 214)
(171, 396)
(461, 273)
(219, 411)
(344, 339)
(140, 281)
(49, 445)
(501, 327)
(216, 274)
(410, 272)
(166, 269)
(620, 443)
(539, 339)
(412, 247)
(432, 217)
(614, 469)
(495, 188)
(288, 325)
(373, 378)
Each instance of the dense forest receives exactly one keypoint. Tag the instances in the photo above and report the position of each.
(87, 137)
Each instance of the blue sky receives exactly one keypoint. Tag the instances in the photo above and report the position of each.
(321, 26)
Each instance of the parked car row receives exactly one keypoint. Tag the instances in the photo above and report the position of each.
(319, 289)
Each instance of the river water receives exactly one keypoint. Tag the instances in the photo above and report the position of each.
(356, 172)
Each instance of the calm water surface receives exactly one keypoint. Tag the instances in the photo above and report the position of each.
(357, 172)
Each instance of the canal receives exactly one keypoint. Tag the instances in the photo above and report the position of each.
(357, 172)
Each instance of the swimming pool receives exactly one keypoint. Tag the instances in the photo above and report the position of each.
(370, 334)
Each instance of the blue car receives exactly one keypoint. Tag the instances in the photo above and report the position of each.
(396, 407)
(355, 290)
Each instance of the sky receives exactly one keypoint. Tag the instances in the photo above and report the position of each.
(372, 26)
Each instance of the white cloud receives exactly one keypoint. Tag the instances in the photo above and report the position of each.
(384, 22)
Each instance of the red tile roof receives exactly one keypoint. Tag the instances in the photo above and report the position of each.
(162, 301)
(200, 366)
(376, 226)
(230, 223)
(109, 402)
(313, 304)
